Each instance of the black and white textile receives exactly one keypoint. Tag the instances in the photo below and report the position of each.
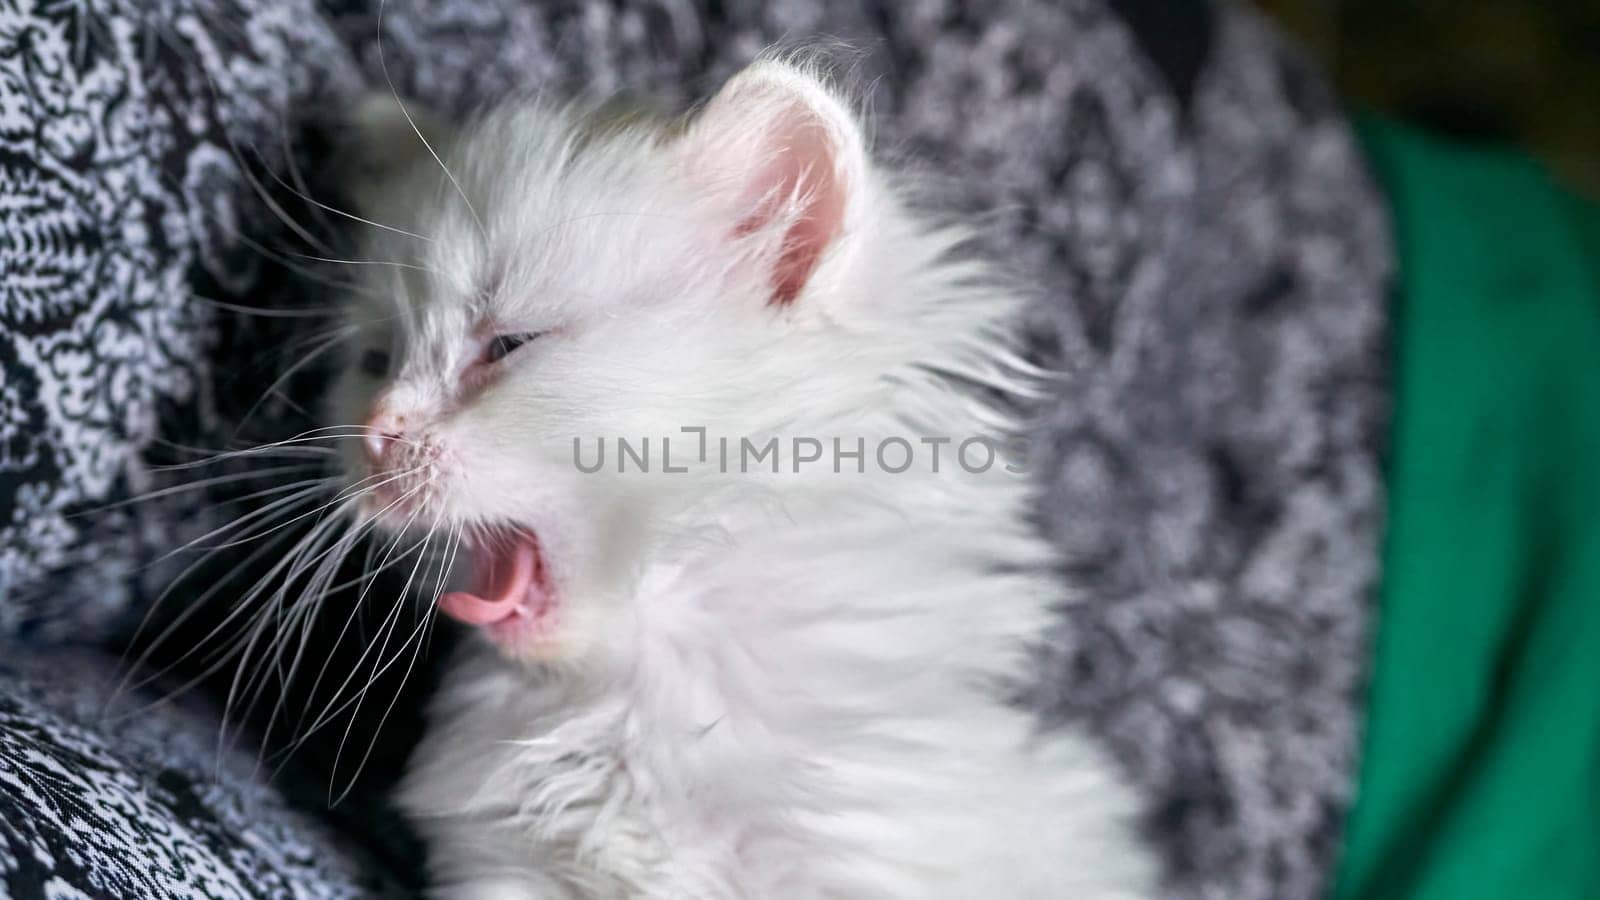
(122, 800)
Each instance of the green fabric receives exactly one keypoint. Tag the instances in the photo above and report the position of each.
(1480, 775)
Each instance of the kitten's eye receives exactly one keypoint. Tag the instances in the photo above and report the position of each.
(501, 345)
(375, 362)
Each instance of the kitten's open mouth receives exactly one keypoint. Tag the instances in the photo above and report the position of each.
(509, 591)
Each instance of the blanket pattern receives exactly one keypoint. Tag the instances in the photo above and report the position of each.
(124, 209)
(116, 800)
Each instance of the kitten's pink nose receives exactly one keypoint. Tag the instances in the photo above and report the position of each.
(377, 442)
(383, 432)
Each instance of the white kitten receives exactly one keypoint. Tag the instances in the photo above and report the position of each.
(690, 682)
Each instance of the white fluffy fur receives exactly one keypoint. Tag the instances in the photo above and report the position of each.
(764, 686)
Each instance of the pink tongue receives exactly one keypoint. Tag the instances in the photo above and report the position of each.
(500, 585)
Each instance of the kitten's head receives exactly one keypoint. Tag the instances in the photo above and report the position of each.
(546, 276)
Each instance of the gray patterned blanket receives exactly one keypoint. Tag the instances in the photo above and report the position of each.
(1212, 260)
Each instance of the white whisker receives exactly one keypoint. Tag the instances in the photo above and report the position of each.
(383, 64)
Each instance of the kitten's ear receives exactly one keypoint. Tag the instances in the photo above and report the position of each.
(789, 159)
(386, 136)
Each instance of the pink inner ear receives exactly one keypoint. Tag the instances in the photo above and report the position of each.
(802, 168)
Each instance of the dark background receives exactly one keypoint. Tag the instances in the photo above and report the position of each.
(1523, 72)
